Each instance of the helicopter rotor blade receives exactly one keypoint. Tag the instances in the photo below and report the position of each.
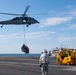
(10, 14)
(42, 14)
(26, 11)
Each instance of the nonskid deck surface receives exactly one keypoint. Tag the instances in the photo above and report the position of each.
(30, 66)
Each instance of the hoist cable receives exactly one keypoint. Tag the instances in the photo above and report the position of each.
(24, 47)
(24, 41)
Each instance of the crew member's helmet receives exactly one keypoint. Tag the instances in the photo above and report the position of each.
(45, 51)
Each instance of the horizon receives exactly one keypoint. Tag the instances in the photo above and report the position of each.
(57, 26)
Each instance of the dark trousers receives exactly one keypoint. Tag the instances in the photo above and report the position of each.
(44, 68)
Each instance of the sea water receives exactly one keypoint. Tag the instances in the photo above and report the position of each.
(34, 55)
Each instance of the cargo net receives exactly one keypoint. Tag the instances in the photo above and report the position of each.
(25, 49)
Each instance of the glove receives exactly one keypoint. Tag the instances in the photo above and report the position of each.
(40, 65)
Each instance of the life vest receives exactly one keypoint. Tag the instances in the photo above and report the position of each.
(45, 58)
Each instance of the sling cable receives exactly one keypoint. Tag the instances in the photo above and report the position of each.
(24, 47)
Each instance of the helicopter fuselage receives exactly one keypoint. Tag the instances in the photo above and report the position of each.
(19, 21)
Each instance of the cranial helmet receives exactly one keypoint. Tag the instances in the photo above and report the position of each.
(45, 51)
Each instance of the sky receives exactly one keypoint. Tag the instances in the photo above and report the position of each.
(57, 27)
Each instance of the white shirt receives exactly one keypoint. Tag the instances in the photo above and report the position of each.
(44, 58)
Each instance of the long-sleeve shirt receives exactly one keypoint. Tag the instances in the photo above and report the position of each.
(44, 58)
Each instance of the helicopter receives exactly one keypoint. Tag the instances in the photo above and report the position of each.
(21, 19)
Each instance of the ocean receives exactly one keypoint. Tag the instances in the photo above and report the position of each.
(34, 55)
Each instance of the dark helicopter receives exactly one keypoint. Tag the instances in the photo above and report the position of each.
(22, 19)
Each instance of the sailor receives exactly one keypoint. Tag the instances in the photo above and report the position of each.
(44, 62)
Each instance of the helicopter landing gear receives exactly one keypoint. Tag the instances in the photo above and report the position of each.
(2, 26)
(27, 25)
